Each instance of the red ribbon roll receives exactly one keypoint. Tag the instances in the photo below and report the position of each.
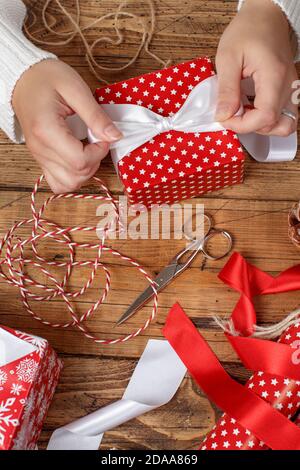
(249, 422)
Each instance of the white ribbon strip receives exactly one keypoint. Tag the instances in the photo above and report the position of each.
(13, 348)
(154, 382)
(197, 114)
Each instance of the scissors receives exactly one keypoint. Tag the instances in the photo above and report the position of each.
(177, 265)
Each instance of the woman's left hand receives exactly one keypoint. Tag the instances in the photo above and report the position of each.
(257, 44)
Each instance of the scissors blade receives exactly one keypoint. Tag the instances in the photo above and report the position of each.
(161, 281)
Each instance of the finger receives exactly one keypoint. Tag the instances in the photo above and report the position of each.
(270, 95)
(285, 127)
(272, 89)
(96, 152)
(62, 181)
(250, 121)
(79, 97)
(67, 151)
(56, 186)
(229, 70)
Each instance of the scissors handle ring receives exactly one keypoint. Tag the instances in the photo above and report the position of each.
(213, 232)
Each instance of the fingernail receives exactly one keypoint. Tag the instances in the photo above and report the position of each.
(113, 132)
(223, 112)
(102, 145)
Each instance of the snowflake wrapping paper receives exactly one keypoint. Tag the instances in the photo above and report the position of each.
(282, 392)
(29, 372)
(174, 165)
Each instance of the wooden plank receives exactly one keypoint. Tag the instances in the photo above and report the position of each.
(259, 229)
(252, 224)
(20, 171)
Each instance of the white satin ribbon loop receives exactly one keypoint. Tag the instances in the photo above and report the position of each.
(154, 382)
(139, 125)
(270, 149)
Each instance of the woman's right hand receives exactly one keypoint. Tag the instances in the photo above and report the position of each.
(257, 44)
(43, 98)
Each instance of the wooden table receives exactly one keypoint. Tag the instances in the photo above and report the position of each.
(254, 212)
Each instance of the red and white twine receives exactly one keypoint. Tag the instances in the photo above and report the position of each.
(43, 229)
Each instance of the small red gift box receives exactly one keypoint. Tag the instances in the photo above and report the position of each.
(29, 372)
(174, 165)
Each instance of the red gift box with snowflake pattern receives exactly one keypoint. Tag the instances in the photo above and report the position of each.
(174, 165)
(29, 372)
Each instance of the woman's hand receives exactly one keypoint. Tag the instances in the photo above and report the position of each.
(43, 98)
(257, 44)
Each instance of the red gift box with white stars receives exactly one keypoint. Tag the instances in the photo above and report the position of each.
(281, 392)
(29, 372)
(174, 165)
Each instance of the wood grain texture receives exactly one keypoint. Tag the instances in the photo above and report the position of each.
(255, 213)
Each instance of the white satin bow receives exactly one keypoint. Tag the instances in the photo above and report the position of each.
(139, 125)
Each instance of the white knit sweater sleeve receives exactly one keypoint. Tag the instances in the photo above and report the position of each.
(17, 54)
(292, 10)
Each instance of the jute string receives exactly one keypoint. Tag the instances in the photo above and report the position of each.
(263, 332)
(147, 26)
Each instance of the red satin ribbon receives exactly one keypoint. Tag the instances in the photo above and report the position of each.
(248, 409)
(250, 282)
(272, 358)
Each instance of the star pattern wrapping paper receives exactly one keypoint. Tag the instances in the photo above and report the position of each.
(27, 386)
(174, 165)
(281, 392)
